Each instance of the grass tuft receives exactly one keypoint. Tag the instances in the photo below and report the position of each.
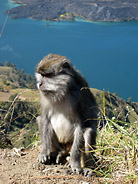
(117, 150)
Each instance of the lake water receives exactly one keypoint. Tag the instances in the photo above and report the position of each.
(105, 53)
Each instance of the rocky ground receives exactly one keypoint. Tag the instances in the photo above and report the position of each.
(21, 167)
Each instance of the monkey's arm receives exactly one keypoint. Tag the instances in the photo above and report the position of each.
(46, 139)
(76, 150)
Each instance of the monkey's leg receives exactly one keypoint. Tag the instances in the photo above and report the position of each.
(76, 152)
(61, 157)
(90, 141)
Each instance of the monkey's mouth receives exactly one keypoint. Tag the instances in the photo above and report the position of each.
(48, 92)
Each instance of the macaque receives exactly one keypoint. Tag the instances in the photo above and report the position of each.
(68, 121)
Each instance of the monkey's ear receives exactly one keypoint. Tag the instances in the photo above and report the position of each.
(66, 64)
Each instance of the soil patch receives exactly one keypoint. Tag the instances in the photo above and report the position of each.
(21, 167)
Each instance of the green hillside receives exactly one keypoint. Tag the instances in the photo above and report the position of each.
(11, 78)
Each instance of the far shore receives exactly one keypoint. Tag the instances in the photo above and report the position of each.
(92, 11)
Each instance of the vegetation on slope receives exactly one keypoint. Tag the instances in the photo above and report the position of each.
(11, 78)
(18, 106)
(116, 107)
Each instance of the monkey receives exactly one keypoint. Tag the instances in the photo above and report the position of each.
(68, 120)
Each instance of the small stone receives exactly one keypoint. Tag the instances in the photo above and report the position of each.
(14, 163)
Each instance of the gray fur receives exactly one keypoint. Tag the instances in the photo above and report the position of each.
(69, 112)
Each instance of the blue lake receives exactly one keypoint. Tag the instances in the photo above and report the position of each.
(105, 53)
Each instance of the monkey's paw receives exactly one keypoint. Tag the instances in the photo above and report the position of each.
(77, 170)
(87, 172)
(43, 158)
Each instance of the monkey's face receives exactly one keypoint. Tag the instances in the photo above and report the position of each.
(54, 76)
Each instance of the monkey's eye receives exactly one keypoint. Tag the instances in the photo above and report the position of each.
(66, 65)
(48, 75)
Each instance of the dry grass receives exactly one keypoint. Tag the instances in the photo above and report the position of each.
(117, 150)
(26, 95)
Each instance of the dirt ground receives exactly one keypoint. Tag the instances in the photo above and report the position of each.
(21, 167)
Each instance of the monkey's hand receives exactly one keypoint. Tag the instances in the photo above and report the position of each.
(87, 172)
(76, 169)
(43, 158)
